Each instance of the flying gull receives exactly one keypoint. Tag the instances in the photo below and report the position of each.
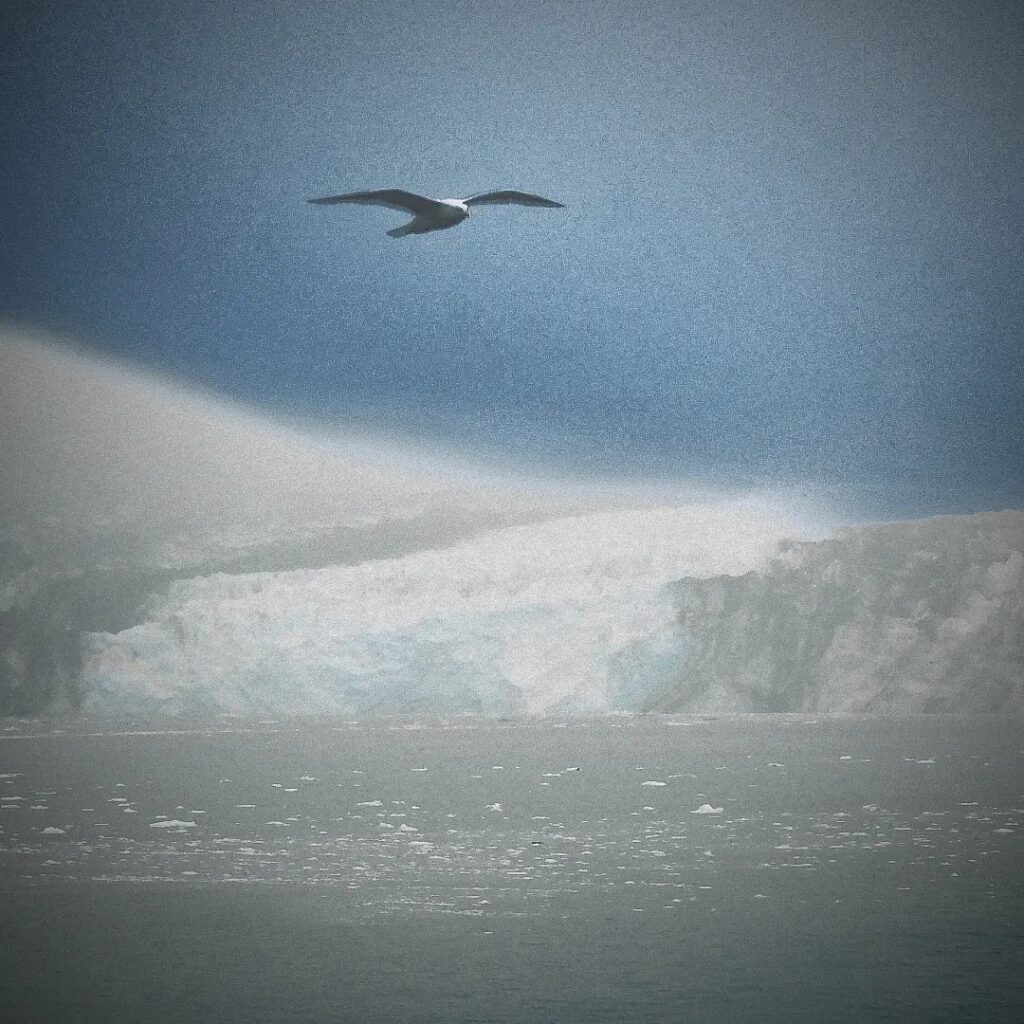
(433, 214)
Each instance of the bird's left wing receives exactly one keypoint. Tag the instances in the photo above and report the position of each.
(508, 196)
(395, 198)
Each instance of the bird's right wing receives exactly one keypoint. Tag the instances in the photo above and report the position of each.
(395, 198)
(511, 196)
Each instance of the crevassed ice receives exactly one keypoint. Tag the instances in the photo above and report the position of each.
(565, 615)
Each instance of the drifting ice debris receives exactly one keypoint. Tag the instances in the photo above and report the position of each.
(708, 809)
(172, 823)
(50, 830)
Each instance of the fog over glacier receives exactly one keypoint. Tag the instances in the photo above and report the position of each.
(163, 553)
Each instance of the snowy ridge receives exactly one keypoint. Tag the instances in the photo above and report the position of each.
(568, 615)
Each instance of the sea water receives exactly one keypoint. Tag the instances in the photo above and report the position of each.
(757, 868)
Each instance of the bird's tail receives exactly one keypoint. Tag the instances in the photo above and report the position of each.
(414, 227)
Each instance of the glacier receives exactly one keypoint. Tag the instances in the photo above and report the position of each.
(699, 609)
(566, 616)
(163, 552)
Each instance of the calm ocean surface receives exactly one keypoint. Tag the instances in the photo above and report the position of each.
(653, 870)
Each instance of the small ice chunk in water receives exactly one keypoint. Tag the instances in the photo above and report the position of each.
(494, 807)
(707, 809)
(652, 782)
(52, 830)
(172, 823)
(370, 803)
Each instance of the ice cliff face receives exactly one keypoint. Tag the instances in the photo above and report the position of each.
(651, 609)
(923, 616)
(570, 615)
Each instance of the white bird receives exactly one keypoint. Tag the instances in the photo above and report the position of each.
(433, 214)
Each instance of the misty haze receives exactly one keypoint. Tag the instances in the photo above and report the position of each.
(605, 613)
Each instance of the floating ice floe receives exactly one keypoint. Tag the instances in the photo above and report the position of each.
(652, 782)
(370, 803)
(52, 830)
(708, 809)
(172, 823)
(494, 807)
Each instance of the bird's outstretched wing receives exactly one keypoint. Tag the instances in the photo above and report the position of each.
(395, 198)
(508, 196)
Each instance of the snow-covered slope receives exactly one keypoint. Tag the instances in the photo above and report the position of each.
(924, 616)
(568, 615)
(105, 464)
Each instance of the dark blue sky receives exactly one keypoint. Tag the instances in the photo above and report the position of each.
(791, 250)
